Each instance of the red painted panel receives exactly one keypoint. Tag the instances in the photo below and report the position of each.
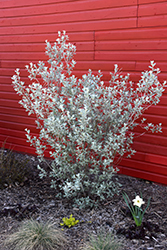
(81, 65)
(76, 26)
(14, 64)
(104, 65)
(17, 119)
(72, 6)
(127, 34)
(11, 103)
(131, 45)
(131, 55)
(17, 126)
(17, 147)
(22, 47)
(144, 65)
(10, 72)
(101, 14)
(8, 80)
(13, 133)
(5, 80)
(9, 96)
(157, 118)
(146, 157)
(153, 21)
(154, 110)
(20, 3)
(144, 175)
(34, 56)
(150, 1)
(135, 77)
(14, 111)
(153, 9)
(164, 130)
(149, 148)
(149, 167)
(12, 140)
(37, 38)
(81, 46)
(5, 87)
(25, 56)
(152, 139)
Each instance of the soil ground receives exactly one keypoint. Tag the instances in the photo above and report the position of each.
(35, 199)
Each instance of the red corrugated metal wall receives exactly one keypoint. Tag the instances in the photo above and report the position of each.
(127, 32)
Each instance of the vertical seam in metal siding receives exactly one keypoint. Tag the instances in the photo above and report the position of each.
(137, 13)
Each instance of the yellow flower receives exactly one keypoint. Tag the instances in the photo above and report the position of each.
(138, 201)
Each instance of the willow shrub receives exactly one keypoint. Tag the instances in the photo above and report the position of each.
(85, 124)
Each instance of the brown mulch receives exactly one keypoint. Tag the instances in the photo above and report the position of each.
(35, 199)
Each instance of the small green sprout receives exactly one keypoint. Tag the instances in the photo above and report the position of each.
(69, 222)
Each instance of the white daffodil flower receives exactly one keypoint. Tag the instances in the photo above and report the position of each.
(138, 201)
(136, 211)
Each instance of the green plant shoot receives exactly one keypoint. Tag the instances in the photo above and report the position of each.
(69, 222)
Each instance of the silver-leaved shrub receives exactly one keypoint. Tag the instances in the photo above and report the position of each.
(85, 125)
